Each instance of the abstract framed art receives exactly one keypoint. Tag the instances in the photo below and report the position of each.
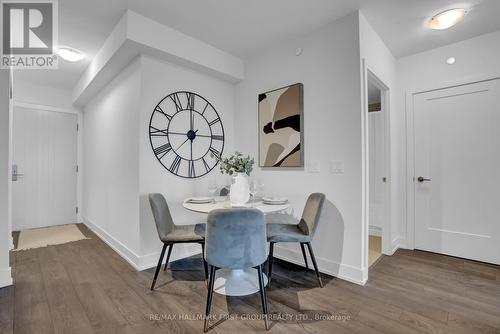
(281, 127)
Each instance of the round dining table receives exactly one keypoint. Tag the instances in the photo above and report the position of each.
(235, 282)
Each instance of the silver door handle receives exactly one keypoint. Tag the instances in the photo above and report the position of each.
(423, 179)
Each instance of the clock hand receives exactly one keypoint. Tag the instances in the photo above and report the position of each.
(184, 142)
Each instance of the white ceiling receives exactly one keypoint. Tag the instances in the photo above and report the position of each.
(244, 27)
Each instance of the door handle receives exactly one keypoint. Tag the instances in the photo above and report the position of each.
(423, 179)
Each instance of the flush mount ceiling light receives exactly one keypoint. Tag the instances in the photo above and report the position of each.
(447, 19)
(70, 54)
(451, 61)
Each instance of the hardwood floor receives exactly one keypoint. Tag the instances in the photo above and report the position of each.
(85, 287)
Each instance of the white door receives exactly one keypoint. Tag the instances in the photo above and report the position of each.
(44, 151)
(376, 168)
(457, 147)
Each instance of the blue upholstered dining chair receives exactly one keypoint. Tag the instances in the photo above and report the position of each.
(235, 239)
(285, 228)
(171, 234)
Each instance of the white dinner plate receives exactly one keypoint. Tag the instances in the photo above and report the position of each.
(200, 200)
(275, 200)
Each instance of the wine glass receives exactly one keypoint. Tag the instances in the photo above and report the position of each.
(254, 189)
(212, 187)
(260, 187)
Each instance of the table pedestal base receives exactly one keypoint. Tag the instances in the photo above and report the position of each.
(237, 282)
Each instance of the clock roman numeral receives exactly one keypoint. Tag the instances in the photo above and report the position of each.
(207, 167)
(190, 101)
(154, 132)
(192, 172)
(215, 152)
(158, 109)
(175, 98)
(162, 150)
(174, 168)
(204, 109)
(217, 137)
(215, 121)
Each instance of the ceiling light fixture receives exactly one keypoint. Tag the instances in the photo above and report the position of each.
(70, 54)
(451, 60)
(447, 19)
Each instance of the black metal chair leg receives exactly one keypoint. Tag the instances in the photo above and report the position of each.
(209, 297)
(204, 262)
(263, 297)
(270, 264)
(313, 259)
(168, 256)
(304, 254)
(158, 267)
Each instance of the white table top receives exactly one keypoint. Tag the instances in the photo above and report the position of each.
(225, 204)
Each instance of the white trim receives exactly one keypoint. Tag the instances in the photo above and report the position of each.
(376, 231)
(44, 107)
(365, 177)
(141, 262)
(11, 242)
(398, 242)
(340, 270)
(122, 250)
(5, 277)
(410, 142)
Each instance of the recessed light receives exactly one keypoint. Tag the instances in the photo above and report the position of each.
(447, 19)
(70, 54)
(451, 61)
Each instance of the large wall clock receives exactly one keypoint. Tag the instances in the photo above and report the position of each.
(186, 134)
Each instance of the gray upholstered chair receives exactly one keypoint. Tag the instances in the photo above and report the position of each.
(171, 234)
(235, 239)
(285, 228)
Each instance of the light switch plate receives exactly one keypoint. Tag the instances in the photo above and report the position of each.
(314, 166)
(337, 166)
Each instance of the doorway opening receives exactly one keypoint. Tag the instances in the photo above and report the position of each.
(377, 98)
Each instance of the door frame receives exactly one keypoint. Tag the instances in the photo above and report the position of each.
(79, 140)
(410, 142)
(368, 74)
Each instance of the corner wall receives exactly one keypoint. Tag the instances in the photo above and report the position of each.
(110, 164)
(5, 175)
(329, 68)
(380, 61)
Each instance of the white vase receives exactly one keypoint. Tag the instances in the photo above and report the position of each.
(239, 192)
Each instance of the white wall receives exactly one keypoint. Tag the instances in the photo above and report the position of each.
(158, 80)
(380, 61)
(329, 68)
(476, 59)
(5, 175)
(111, 165)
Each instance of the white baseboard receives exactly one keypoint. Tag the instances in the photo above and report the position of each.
(5, 277)
(122, 250)
(142, 262)
(397, 242)
(339, 270)
(375, 231)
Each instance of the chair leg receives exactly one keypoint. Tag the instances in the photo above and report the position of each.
(209, 297)
(168, 256)
(158, 267)
(313, 259)
(263, 297)
(304, 254)
(270, 264)
(204, 261)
